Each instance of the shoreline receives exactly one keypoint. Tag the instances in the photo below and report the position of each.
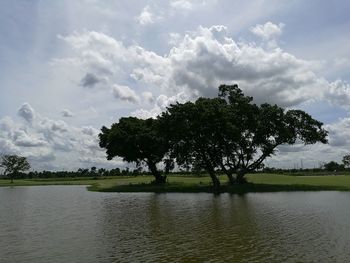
(191, 184)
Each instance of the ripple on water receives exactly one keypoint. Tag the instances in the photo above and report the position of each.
(65, 224)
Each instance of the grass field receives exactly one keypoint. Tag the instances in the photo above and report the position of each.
(257, 183)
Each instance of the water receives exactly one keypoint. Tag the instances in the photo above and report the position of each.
(70, 224)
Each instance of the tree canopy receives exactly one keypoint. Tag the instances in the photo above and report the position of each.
(193, 132)
(233, 134)
(135, 140)
(333, 166)
(257, 131)
(14, 164)
(229, 133)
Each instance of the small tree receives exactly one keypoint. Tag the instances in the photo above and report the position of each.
(14, 164)
(136, 140)
(333, 166)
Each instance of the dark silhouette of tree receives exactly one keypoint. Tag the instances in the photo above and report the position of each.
(233, 134)
(192, 130)
(101, 171)
(333, 166)
(14, 164)
(136, 140)
(257, 131)
(169, 165)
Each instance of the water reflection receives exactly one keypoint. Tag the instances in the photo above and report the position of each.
(58, 224)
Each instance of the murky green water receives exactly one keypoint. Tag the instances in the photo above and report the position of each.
(70, 224)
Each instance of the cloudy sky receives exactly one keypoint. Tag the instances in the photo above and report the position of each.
(69, 67)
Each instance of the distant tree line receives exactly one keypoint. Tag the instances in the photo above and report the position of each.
(94, 172)
(324, 169)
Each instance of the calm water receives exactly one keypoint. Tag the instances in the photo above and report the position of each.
(70, 224)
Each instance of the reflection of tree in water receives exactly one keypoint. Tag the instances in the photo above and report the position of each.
(185, 227)
(204, 227)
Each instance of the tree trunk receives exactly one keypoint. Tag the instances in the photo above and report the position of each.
(159, 179)
(240, 177)
(231, 179)
(11, 175)
(214, 178)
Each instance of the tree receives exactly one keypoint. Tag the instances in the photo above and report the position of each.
(14, 164)
(232, 133)
(257, 131)
(346, 160)
(192, 131)
(138, 141)
(333, 166)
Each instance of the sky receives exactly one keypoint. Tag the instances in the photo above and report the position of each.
(70, 67)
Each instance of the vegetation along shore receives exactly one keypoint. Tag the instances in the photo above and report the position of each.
(193, 184)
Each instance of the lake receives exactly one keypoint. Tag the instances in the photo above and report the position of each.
(71, 224)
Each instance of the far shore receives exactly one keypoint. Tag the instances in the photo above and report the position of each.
(195, 184)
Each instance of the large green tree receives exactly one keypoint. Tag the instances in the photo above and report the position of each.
(136, 140)
(13, 165)
(257, 131)
(233, 134)
(193, 130)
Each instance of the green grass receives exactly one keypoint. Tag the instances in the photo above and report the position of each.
(257, 183)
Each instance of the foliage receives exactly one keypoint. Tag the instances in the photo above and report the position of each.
(193, 131)
(14, 164)
(257, 131)
(333, 166)
(179, 183)
(135, 140)
(232, 133)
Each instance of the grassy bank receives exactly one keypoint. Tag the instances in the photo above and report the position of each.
(257, 183)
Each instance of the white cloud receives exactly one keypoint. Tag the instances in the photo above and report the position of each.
(181, 4)
(67, 113)
(125, 93)
(189, 4)
(89, 130)
(52, 144)
(341, 62)
(174, 39)
(8, 147)
(147, 16)
(209, 57)
(148, 97)
(45, 156)
(27, 112)
(338, 93)
(203, 60)
(339, 135)
(89, 80)
(161, 103)
(268, 30)
(21, 138)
